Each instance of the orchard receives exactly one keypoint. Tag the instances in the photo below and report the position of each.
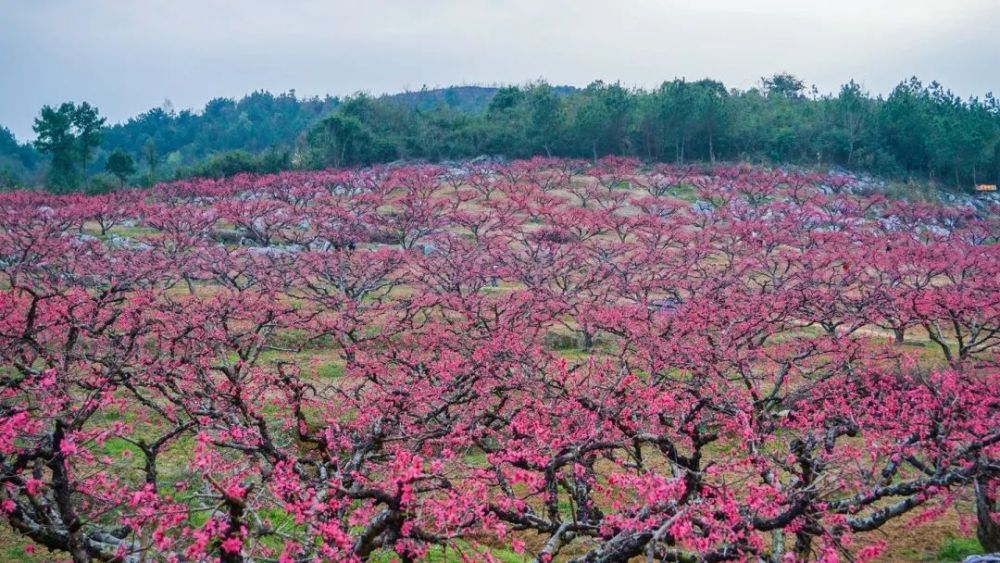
(543, 360)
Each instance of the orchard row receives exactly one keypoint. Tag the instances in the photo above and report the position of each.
(543, 359)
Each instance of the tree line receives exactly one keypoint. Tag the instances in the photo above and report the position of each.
(917, 131)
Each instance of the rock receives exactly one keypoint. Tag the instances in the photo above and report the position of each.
(320, 244)
(428, 249)
(938, 230)
(83, 239)
(984, 558)
(488, 159)
(890, 223)
(703, 207)
(275, 250)
(668, 305)
(126, 243)
(405, 162)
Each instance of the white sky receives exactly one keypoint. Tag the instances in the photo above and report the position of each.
(127, 56)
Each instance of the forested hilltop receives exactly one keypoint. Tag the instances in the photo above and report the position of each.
(918, 131)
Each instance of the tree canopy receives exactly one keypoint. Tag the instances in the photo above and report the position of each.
(917, 131)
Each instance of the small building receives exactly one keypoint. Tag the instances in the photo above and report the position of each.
(986, 187)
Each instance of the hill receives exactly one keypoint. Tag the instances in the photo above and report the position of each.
(468, 99)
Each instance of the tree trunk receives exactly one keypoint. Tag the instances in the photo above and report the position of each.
(803, 545)
(988, 530)
(899, 335)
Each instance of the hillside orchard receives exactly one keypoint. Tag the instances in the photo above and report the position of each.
(542, 360)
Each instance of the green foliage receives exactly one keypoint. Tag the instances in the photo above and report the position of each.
(917, 132)
(87, 124)
(783, 85)
(337, 140)
(55, 137)
(230, 163)
(103, 184)
(546, 118)
(166, 140)
(681, 117)
(152, 157)
(18, 163)
(465, 99)
(121, 165)
(9, 179)
(69, 134)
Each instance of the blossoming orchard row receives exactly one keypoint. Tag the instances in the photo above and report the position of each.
(544, 360)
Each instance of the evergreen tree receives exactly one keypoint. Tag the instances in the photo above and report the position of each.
(121, 165)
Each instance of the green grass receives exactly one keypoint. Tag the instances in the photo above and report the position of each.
(957, 549)
(12, 546)
(330, 370)
(476, 458)
(439, 554)
(132, 232)
(297, 338)
(115, 448)
(684, 192)
(17, 553)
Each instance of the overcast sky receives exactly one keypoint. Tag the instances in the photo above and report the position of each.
(127, 56)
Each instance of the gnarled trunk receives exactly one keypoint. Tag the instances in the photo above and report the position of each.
(987, 530)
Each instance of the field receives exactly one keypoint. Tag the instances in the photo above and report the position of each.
(542, 360)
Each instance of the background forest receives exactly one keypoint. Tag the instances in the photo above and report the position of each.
(917, 132)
